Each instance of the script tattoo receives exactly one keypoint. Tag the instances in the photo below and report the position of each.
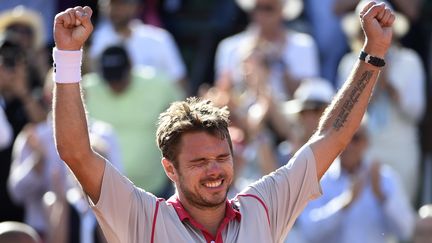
(352, 99)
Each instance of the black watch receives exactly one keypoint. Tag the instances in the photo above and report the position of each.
(376, 61)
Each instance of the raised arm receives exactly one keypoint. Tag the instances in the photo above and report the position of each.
(71, 29)
(342, 118)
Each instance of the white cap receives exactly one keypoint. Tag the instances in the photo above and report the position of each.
(312, 93)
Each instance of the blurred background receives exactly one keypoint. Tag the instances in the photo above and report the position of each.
(275, 63)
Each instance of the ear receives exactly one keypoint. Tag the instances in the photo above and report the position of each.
(170, 170)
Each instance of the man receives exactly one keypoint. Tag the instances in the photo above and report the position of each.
(305, 109)
(288, 56)
(21, 105)
(310, 101)
(398, 103)
(25, 26)
(36, 167)
(423, 228)
(114, 95)
(197, 154)
(11, 231)
(146, 45)
(353, 185)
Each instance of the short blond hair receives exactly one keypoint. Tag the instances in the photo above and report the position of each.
(192, 115)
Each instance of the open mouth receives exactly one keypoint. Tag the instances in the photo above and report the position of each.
(214, 184)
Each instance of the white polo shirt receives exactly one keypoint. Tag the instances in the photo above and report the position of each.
(263, 212)
(147, 46)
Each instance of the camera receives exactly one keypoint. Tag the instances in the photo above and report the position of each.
(10, 53)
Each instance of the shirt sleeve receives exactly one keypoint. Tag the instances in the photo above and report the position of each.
(287, 190)
(5, 130)
(324, 217)
(174, 63)
(344, 68)
(407, 76)
(227, 55)
(23, 181)
(301, 56)
(124, 211)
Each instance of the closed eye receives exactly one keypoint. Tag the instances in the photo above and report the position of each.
(223, 157)
(200, 162)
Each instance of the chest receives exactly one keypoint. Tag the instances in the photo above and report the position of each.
(251, 228)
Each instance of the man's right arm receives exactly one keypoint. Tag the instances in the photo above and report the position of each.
(71, 29)
(72, 141)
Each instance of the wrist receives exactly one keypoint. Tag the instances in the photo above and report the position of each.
(67, 65)
(67, 48)
(372, 60)
(375, 50)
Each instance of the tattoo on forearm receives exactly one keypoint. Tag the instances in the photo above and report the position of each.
(352, 99)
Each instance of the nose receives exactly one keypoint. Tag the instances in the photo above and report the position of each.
(214, 168)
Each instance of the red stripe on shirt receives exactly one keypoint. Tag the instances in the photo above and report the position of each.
(259, 200)
(154, 218)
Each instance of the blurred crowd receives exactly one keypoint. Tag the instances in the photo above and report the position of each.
(276, 64)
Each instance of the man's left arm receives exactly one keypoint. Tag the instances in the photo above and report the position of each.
(287, 191)
(342, 118)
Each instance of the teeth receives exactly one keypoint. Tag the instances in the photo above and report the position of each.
(213, 184)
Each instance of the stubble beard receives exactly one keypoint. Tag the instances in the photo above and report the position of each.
(198, 200)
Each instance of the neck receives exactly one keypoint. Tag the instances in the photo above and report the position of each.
(208, 217)
(352, 169)
(123, 31)
(272, 33)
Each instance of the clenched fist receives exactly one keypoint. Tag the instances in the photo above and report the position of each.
(72, 28)
(377, 20)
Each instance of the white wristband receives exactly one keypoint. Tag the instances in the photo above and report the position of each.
(67, 66)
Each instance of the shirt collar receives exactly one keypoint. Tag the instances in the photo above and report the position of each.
(231, 210)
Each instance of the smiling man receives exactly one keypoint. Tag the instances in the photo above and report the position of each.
(197, 154)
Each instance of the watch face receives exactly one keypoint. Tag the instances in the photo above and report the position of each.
(368, 58)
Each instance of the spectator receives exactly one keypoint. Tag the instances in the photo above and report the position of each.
(146, 45)
(310, 100)
(397, 105)
(423, 229)
(17, 233)
(303, 112)
(69, 218)
(36, 167)
(130, 99)
(198, 27)
(21, 105)
(44, 8)
(290, 56)
(5, 130)
(26, 27)
(325, 28)
(362, 201)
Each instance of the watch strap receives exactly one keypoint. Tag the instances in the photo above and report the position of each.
(376, 61)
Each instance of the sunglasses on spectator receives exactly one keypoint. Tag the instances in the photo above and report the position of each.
(21, 29)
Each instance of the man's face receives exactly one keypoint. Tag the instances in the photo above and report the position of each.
(205, 170)
(122, 12)
(309, 119)
(23, 33)
(267, 13)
